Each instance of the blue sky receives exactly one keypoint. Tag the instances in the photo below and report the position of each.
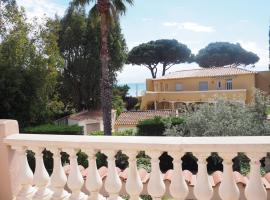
(195, 23)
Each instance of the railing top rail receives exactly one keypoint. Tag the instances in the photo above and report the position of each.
(186, 144)
(197, 91)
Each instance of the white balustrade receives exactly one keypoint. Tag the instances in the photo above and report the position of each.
(41, 177)
(93, 181)
(24, 176)
(228, 189)
(178, 187)
(113, 183)
(58, 177)
(203, 189)
(156, 187)
(255, 189)
(36, 186)
(75, 180)
(134, 184)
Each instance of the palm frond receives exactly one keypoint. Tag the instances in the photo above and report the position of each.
(81, 2)
(119, 6)
(131, 2)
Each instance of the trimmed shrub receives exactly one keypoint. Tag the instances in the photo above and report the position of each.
(151, 127)
(128, 132)
(52, 129)
(157, 125)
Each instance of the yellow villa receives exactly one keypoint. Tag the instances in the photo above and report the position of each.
(185, 87)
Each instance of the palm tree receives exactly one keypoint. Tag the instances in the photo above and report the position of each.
(107, 11)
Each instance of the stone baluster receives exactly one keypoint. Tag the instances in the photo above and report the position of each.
(134, 184)
(203, 189)
(25, 176)
(178, 187)
(255, 188)
(75, 180)
(41, 177)
(58, 177)
(228, 189)
(113, 183)
(156, 186)
(93, 181)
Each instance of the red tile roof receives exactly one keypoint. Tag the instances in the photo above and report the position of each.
(206, 72)
(93, 114)
(133, 117)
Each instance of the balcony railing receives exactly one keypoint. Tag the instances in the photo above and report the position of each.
(187, 97)
(197, 96)
(58, 186)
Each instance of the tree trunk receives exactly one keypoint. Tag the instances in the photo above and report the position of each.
(164, 69)
(106, 86)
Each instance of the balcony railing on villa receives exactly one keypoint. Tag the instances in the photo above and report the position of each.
(198, 96)
(21, 183)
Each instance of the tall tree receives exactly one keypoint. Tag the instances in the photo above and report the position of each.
(164, 52)
(79, 42)
(220, 54)
(107, 11)
(27, 68)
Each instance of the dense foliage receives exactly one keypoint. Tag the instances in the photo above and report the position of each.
(48, 71)
(225, 119)
(164, 52)
(79, 42)
(28, 68)
(55, 129)
(156, 126)
(220, 54)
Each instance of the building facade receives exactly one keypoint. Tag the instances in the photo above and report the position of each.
(181, 88)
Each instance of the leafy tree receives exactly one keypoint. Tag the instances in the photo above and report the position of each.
(106, 11)
(220, 54)
(226, 119)
(27, 69)
(121, 90)
(164, 52)
(79, 42)
(118, 104)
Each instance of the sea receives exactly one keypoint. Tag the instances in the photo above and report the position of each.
(136, 89)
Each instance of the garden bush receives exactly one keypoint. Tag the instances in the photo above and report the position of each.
(55, 129)
(157, 125)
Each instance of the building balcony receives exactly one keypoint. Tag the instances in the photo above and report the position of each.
(21, 183)
(173, 99)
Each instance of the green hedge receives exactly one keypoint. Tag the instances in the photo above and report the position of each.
(157, 125)
(53, 129)
(127, 132)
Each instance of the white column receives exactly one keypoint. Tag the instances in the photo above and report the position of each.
(41, 177)
(9, 161)
(228, 189)
(25, 176)
(58, 177)
(93, 181)
(203, 189)
(134, 184)
(178, 187)
(113, 183)
(255, 189)
(75, 179)
(156, 186)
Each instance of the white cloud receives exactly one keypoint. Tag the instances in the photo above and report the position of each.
(40, 8)
(190, 26)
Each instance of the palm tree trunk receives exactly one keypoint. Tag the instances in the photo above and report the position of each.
(106, 86)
